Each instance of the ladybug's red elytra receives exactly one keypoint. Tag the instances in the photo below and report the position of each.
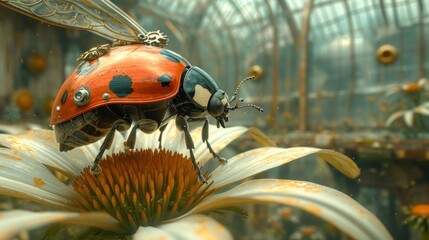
(132, 74)
(133, 82)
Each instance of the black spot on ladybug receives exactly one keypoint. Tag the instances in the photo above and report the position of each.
(121, 85)
(174, 57)
(86, 68)
(64, 97)
(165, 80)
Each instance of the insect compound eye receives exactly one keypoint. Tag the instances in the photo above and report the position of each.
(82, 96)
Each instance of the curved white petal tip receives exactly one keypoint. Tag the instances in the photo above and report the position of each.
(198, 227)
(326, 203)
(258, 160)
(16, 221)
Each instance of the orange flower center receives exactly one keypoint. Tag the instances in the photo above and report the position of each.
(412, 87)
(141, 188)
(307, 231)
(287, 213)
(421, 210)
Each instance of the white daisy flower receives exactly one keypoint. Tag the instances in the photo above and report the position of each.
(154, 194)
(408, 115)
(413, 87)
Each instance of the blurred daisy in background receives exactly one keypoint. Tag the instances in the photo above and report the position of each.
(408, 115)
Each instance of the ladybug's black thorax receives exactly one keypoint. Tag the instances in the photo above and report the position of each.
(183, 104)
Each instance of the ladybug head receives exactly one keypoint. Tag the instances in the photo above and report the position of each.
(204, 94)
(219, 104)
(219, 107)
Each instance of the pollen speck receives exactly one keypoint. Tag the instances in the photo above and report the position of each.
(38, 182)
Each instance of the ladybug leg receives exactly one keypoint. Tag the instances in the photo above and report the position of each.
(145, 125)
(161, 130)
(205, 137)
(107, 143)
(131, 140)
(182, 125)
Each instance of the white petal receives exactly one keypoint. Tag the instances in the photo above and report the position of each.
(196, 227)
(85, 155)
(421, 82)
(96, 219)
(40, 145)
(146, 141)
(423, 109)
(22, 177)
(12, 128)
(258, 160)
(219, 138)
(329, 204)
(409, 117)
(13, 222)
(393, 88)
(393, 117)
(172, 139)
(152, 233)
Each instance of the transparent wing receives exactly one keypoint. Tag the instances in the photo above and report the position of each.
(99, 16)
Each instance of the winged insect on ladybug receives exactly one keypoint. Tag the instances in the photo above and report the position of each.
(132, 83)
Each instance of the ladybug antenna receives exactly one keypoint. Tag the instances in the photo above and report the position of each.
(239, 86)
(239, 100)
(236, 106)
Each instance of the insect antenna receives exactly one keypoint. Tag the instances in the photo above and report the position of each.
(239, 100)
(238, 88)
(236, 106)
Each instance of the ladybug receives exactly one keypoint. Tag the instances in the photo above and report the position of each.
(132, 83)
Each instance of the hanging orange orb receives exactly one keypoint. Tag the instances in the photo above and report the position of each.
(48, 104)
(256, 71)
(23, 99)
(36, 63)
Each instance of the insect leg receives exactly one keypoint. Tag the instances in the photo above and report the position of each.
(182, 125)
(107, 143)
(205, 137)
(145, 125)
(131, 139)
(161, 130)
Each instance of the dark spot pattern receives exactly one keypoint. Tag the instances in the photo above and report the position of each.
(121, 85)
(64, 97)
(174, 57)
(86, 68)
(165, 80)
